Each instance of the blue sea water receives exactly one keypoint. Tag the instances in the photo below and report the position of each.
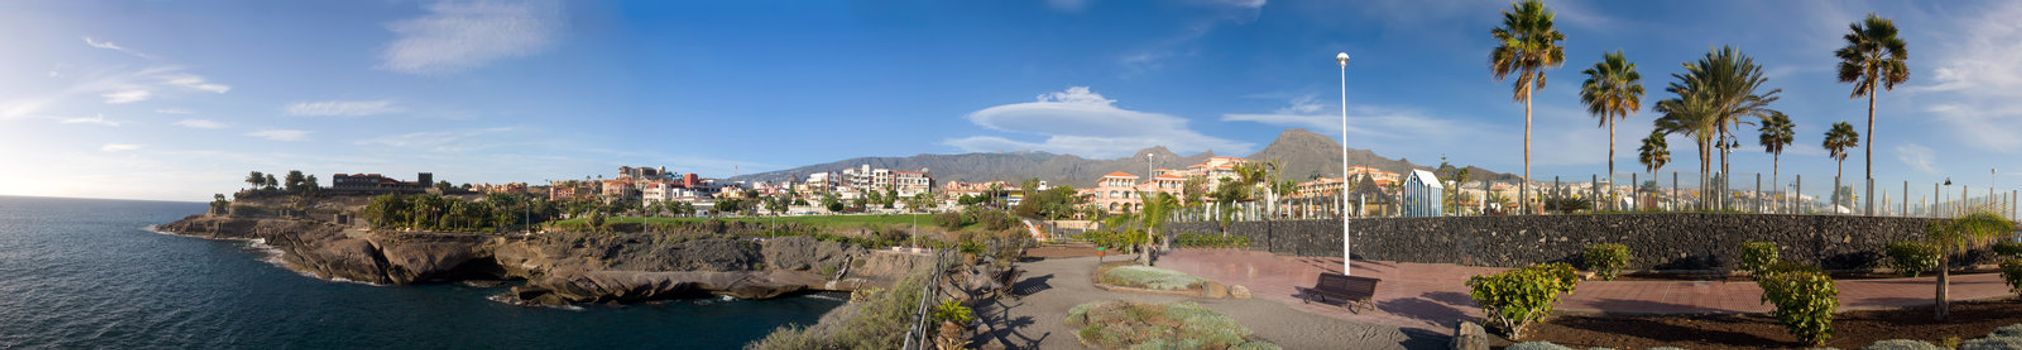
(83, 273)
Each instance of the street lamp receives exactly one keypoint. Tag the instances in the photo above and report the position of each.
(1347, 255)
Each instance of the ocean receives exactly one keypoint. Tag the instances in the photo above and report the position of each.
(85, 273)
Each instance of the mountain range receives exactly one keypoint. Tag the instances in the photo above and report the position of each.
(1302, 155)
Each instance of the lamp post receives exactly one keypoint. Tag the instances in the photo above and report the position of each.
(1347, 255)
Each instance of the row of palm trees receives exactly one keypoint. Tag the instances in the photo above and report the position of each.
(1712, 99)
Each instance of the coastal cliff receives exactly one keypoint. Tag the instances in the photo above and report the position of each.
(565, 267)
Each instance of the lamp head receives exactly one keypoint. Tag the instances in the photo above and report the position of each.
(1342, 58)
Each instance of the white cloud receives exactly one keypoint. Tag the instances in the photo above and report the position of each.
(129, 95)
(176, 111)
(1918, 157)
(200, 124)
(440, 141)
(1364, 121)
(457, 36)
(343, 108)
(1082, 122)
(118, 147)
(1153, 56)
(280, 134)
(195, 82)
(1976, 89)
(96, 120)
(108, 45)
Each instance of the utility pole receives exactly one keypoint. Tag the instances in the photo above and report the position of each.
(1347, 239)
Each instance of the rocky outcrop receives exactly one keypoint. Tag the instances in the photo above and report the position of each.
(564, 267)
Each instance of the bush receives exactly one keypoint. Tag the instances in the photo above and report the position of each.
(2011, 271)
(1913, 258)
(1537, 345)
(1513, 299)
(1992, 343)
(1204, 240)
(1181, 325)
(951, 220)
(1606, 259)
(1805, 302)
(1150, 278)
(1758, 255)
(2008, 249)
(953, 311)
(877, 321)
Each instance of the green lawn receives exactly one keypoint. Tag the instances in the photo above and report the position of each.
(847, 221)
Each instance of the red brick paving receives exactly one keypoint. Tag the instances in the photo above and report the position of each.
(1433, 296)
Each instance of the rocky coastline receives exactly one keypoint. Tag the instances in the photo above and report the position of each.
(561, 268)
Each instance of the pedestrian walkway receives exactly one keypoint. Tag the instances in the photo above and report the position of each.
(1434, 296)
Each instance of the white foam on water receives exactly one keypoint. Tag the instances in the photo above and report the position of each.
(825, 297)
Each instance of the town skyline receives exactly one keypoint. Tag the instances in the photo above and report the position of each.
(172, 100)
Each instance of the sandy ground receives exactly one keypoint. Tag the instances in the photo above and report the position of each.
(1050, 287)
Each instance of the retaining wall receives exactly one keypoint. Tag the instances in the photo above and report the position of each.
(1678, 242)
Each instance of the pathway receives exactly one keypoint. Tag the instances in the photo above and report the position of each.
(1050, 287)
(1433, 296)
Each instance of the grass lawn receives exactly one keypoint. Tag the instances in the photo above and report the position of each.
(840, 221)
(1179, 325)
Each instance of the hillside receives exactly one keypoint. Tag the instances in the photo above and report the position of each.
(1303, 154)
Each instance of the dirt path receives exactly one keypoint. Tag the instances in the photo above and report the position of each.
(1050, 287)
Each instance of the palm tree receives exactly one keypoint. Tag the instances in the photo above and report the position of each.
(1158, 206)
(1715, 94)
(1777, 134)
(1687, 115)
(1837, 140)
(1527, 44)
(1613, 90)
(1956, 237)
(1654, 153)
(1873, 57)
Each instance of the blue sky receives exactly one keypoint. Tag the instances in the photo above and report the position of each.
(178, 99)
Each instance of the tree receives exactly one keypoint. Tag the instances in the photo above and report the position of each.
(1527, 44)
(220, 206)
(269, 183)
(311, 186)
(1956, 237)
(1158, 207)
(1716, 93)
(256, 179)
(1872, 58)
(293, 181)
(1654, 153)
(1613, 91)
(1777, 134)
(1837, 140)
(830, 202)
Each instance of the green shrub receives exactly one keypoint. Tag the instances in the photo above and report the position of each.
(1205, 240)
(953, 311)
(1537, 345)
(1805, 302)
(1992, 343)
(951, 220)
(1758, 255)
(1180, 325)
(2011, 271)
(1515, 298)
(1606, 259)
(872, 320)
(1913, 258)
(1150, 278)
(2013, 330)
(2008, 249)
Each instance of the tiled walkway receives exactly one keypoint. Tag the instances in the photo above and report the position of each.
(1433, 296)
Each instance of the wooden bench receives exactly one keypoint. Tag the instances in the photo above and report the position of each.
(1352, 292)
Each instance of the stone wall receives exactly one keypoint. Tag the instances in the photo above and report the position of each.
(1672, 242)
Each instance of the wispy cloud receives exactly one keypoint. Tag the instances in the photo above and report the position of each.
(1918, 157)
(440, 141)
(193, 81)
(1082, 122)
(108, 45)
(343, 108)
(1153, 56)
(175, 111)
(1975, 86)
(126, 96)
(280, 134)
(200, 124)
(457, 36)
(94, 120)
(118, 147)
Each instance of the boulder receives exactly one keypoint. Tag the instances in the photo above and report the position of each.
(1214, 290)
(1470, 336)
(1239, 292)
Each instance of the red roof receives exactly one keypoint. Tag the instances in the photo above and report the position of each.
(1119, 174)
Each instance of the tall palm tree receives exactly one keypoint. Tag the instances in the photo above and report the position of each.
(1654, 153)
(1873, 57)
(1688, 115)
(1715, 94)
(1613, 90)
(1777, 134)
(1527, 44)
(1837, 140)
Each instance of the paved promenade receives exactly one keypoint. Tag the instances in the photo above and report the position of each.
(1433, 296)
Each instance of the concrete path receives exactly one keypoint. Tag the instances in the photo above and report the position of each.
(1050, 287)
(1433, 296)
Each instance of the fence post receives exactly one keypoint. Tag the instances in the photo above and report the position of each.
(1674, 190)
(1798, 202)
(1906, 199)
(1758, 193)
(1635, 192)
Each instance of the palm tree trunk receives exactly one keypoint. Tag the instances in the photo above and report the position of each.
(1870, 152)
(1611, 157)
(1944, 284)
(1522, 198)
(1775, 170)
